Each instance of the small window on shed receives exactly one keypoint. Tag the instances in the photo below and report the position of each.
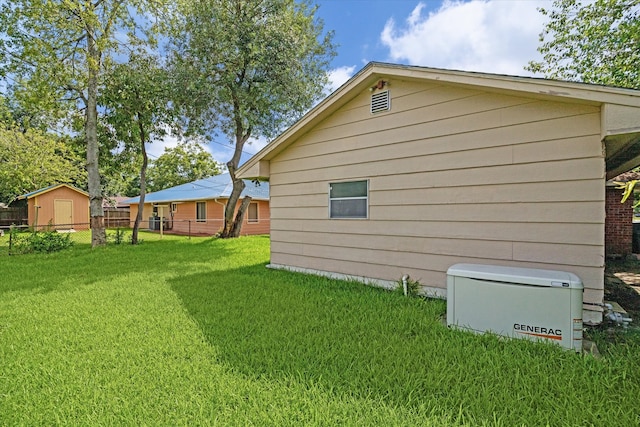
(349, 199)
(380, 101)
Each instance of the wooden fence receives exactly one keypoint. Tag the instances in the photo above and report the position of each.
(114, 218)
(9, 216)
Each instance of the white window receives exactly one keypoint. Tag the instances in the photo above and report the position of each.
(174, 207)
(201, 211)
(252, 215)
(349, 199)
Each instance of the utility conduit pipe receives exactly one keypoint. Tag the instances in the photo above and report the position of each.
(404, 284)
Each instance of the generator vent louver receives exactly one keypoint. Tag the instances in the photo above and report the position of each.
(380, 101)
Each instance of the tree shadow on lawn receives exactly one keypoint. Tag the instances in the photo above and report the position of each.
(81, 265)
(264, 324)
(364, 342)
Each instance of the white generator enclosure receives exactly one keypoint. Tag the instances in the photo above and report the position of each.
(516, 302)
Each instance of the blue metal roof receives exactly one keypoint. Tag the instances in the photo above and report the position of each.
(213, 187)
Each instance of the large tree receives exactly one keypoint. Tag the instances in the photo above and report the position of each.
(185, 162)
(594, 42)
(136, 98)
(56, 52)
(247, 68)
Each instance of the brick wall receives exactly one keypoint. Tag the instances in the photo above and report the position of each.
(618, 227)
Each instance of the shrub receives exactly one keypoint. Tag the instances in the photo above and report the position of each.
(118, 237)
(39, 242)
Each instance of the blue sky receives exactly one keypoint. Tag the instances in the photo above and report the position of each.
(495, 36)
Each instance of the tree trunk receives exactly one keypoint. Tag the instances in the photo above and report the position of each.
(237, 224)
(143, 183)
(229, 221)
(231, 226)
(96, 212)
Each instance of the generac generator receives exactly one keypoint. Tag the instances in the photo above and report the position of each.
(543, 305)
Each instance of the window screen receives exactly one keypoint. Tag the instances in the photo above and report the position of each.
(253, 212)
(201, 211)
(348, 199)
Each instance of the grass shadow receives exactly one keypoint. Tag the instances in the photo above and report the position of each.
(363, 342)
(82, 265)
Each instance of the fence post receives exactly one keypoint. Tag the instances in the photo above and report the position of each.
(189, 229)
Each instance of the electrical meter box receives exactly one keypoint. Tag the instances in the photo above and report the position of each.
(516, 302)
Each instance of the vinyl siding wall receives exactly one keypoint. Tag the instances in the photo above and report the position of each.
(455, 175)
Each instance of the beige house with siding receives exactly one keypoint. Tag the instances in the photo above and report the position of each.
(410, 170)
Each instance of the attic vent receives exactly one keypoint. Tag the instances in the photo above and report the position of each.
(380, 101)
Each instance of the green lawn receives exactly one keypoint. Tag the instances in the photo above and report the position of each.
(198, 332)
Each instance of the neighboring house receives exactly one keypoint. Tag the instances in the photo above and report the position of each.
(198, 207)
(410, 170)
(62, 205)
(115, 202)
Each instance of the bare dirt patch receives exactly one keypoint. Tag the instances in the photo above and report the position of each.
(622, 285)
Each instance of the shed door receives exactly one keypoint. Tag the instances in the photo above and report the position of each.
(63, 212)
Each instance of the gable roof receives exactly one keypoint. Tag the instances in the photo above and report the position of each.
(213, 187)
(623, 107)
(50, 188)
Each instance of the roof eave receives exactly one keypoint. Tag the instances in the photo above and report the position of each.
(50, 188)
(199, 199)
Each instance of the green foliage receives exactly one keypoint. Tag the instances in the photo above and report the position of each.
(32, 160)
(136, 97)
(246, 67)
(596, 42)
(45, 46)
(118, 236)
(38, 241)
(6, 118)
(185, 162)
(627, 188)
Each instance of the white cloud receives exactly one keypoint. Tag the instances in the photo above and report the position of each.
(156, 148)
(338, 76)
(477, 35)
(256, 144)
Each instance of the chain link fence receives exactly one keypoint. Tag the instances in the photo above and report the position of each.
(20, 239)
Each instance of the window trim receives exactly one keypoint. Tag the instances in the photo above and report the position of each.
(257, 219)
(366, 198)
(204, 203)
